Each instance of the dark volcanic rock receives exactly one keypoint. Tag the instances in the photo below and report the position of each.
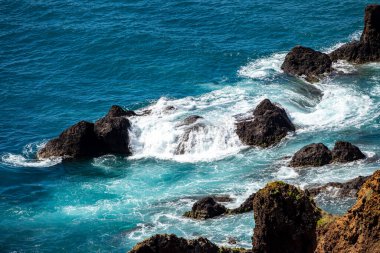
(245, 207)
(315, 154)
(368, 48)
(304, 61)
(173, 244)
(359, 229)
(346, 152)
(347, 189)
(285, 220)
(77, 141)
(84, 139)
(112, 131)
(269, 125)
(206, 208)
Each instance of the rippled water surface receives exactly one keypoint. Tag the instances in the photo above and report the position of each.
(65, 61)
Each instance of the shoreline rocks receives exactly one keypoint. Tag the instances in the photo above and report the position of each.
(206, 208)
(285, 219)
(303, 61)
(367, 49)
(269, 125)
(317, 154)
(85, 139)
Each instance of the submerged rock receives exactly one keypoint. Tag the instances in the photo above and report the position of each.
(285, 220)
(189, 120)
(346, 152)
(86, 139)
(206, 208)
(187, 143)
(347, 189)
(77, 141)
(172, 244)
(359, 229)
(367, 49)
(268, 126)
(315, 154)
(304, 61)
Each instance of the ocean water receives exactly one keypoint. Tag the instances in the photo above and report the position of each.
(66, 61)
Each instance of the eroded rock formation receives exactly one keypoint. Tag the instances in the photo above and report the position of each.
(268, 126)
(315, 154)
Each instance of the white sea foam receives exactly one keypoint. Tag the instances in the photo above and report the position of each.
(21, 161)
(157, 134)
(263, 67)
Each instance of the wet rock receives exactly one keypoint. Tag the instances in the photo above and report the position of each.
(117, 111)
(367, 49)
(346, 152)
(347, 189)
(84, 139)
(172, 244)
(359, 229)
(112, 133)
(206, 208)
(304, 61)
(315, 154)
(187, 143)
(245, 207)
(189, 120)
(77, 141)
(285, 220)
(231, 240)
(268, 126)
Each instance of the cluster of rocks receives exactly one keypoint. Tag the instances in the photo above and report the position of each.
(288, 220)
(208, 207)
(85, 139)
(313, 65)
(317, 154)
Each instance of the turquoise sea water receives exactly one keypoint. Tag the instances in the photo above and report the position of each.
(65, 61)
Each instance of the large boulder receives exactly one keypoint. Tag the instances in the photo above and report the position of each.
(206, 208)
(367, 49)
(359, 229)
(269, 125)
(112, 132)
(77, 141)
(346, 189)
(172, 244)
(346, 152)
(285, 220)
(313, 155)
(85, 139)
(308, 63)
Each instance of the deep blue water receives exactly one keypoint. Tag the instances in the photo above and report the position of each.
(64, 61)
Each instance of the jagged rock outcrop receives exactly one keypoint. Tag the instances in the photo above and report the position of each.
(344, 152)
(172, 244)
(285, 220)
(86, 139)
(359, 229)
(367, 49)
(346, 189)
(112, 131)
(206, 208)
(78, 140)
(269, 125)
(306, 62)
(315, 154)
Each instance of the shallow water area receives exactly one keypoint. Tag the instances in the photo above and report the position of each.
(65, 62)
